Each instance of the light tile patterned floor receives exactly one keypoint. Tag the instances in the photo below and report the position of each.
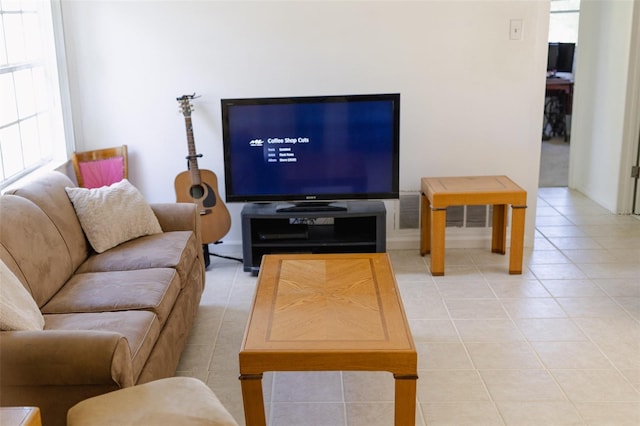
(558, 345)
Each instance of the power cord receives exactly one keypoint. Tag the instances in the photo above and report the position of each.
(207, 255)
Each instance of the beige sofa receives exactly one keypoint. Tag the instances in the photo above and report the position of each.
(112, 320)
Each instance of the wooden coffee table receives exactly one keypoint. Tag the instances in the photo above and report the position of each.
(438, 193)
(20, 416)
(327, 312)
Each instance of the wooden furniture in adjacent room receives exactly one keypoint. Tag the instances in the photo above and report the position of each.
(20, 416)
(438, 193)
(327, 312)
(559, 91)
(564, 85)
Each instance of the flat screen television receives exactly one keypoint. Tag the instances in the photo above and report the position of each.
(310, 151)
(560, 57)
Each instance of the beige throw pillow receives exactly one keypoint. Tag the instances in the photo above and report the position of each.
(18, 310)
(112, 215)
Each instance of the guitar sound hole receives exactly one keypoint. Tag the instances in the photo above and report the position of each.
(196, 191)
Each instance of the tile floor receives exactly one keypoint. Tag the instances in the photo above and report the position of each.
(558, 345)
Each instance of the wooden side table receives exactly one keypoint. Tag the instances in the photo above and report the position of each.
(438, 193)
(20, 416)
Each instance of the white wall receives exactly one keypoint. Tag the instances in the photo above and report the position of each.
(472, 99)
(600, 163)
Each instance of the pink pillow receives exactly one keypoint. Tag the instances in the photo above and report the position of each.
(99, 173)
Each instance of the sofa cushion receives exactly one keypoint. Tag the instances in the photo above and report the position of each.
(140, 328)
(49, 194)
(176, 249)
(18, 310)
(112, 215)
(34, 244)
(155, 290)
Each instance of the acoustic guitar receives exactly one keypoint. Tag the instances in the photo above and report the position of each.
(201, 186)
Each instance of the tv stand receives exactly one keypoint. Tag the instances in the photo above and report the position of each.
(312, 206)
(347, 227)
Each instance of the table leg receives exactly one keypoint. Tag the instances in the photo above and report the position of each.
(253, 400)
(425, 225)
(405, 405)
(438, 223)
(499, 231)
(517, 239)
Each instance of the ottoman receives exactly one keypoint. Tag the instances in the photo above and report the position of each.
(174, 401)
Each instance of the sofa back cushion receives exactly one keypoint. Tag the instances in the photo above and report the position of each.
(33, 248)
(48, 193)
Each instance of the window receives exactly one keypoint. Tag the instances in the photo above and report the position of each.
(31, 125)
(563, 22)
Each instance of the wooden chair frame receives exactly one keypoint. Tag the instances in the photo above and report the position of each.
(96, 155)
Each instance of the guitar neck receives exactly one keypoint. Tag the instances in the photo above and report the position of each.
(194, 171)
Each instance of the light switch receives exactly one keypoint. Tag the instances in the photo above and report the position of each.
(515, 29)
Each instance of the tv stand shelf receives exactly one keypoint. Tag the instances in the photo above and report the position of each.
(360, 228)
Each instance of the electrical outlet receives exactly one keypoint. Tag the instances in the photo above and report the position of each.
(515, 29)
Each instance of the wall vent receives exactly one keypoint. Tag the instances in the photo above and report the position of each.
(409, 211)
(457, 216)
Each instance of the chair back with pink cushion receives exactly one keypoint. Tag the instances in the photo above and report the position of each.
(101, 167)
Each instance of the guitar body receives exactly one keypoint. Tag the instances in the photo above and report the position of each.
(201, 187)
(215, 220)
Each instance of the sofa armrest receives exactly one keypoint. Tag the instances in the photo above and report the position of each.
(177, 216)
(64, 357)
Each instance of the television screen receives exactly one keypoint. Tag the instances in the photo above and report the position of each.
(560, 57)
(311, 148)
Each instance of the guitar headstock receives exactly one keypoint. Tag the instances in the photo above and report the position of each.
(185, 104)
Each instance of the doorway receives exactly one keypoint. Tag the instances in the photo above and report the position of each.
(556, 132)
